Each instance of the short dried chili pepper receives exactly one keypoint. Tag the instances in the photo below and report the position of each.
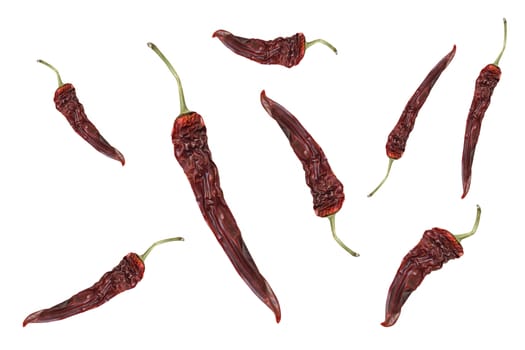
(122, 277)
(287, 51)
(436, 247)
(485, 83)
(67, 103)
(191, 150)
(397, 139)
(327, 191)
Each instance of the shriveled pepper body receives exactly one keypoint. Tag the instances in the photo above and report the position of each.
(486, 82)
(193, 154)
(122, 277)
(126, 275)
(190, 143)
(67, 103)
(326, 189)
(284, 51)
(436, 247)
(398, 137)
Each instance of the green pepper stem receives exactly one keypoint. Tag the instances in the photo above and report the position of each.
(321, 41)
(162, 241)
(474, 228)
(496, 62)
(60, 83)
(332, 226)
(183, 108)
(390, 162)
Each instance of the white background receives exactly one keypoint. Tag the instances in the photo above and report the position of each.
(68, 214)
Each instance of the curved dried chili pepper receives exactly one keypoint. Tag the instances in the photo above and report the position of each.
(327, 190)
(436, 247)
(193, 154)
(485, 83)
(67, 103)
(397, 139)
(122, 277)
(287, 51)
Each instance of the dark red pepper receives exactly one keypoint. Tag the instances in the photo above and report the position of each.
(191, 150)
(122, 277)
(287, 51)
(436, 247)
(485, 83)
(327, 190)
(67, 103)
(397, 139)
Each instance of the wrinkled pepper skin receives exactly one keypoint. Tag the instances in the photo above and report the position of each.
(193, 154)
(326, 189)
(485, 84)
(284, 51)
(67, 103)
(398, 137)
(436, 247)
(124, 276)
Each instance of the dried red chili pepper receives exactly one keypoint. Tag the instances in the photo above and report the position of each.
(67, 103)
(122, 277)
(327, 191)
(485, 83)
(436, 247)
(397, 139)
(287, 51)
(191, 150)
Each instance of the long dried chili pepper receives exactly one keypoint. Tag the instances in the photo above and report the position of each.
(327, 190)
(191, 150)
(397, 139)
(287, 51)
(436, 247)
(485, 83)
(122, 277)
(67, 103)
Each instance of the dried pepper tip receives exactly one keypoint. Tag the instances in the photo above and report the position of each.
(496, 62)
(162, 241)
(462, 236)
(344, 246)
(183, 108)
(390, 162)
(220, 33)
(60, 83)
(321, 41)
